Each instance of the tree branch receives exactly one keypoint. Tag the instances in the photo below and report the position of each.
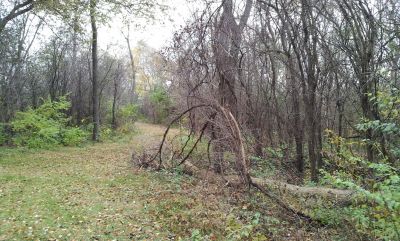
(18, 10)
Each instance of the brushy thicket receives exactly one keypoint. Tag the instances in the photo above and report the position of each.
(376, 209)
(127, 115)
(160, 103)
(3, 136)
(46, 126)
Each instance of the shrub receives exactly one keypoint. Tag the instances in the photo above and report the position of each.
(160, 103)
(3, 135)
(127, 115)
(45, 126)
(376, 210)
(106, 133)
(35, 130)
(73, 136)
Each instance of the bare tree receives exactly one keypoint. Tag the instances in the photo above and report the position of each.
(95, 90)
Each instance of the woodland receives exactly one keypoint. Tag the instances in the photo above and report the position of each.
(257, 120)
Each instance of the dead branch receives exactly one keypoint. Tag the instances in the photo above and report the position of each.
(197, 141)
(233, 129)
(262, 185)
(244, 177)
(167, 130)
(329, 193)
(241, 163)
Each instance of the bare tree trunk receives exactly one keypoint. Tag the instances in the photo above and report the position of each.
(114, 104)
(297, 127)
(95, 91)
(226, 50)
(229, 38)
(79, 108)
(310, 83)
(297, 124)
(132, 95)
(340, 102)
(312, 137)
(77, 72)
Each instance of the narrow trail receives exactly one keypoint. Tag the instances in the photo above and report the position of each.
(92, 193)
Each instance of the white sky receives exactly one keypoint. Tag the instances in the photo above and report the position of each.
(156, 34)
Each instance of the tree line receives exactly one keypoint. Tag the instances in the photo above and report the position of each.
(289, 70)
(307, 87)
(50, 49)
(310, 87)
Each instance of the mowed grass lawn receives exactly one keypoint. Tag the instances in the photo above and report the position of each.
(93, 193)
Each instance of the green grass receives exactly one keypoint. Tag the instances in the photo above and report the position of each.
(92, 193)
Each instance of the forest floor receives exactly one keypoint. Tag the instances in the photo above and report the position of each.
(93, 193)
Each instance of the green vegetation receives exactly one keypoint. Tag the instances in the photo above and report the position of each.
(46, 126)
(160, 103)
(279, 120)
(3, 135)
(127, 115)
(49, 126)
(91, 192)
(376, 210)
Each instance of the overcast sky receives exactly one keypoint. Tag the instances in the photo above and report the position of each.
(156, 34)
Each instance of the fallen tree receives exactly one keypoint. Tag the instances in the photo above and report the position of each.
(342, 197)
(234, 133)
(243, 178)
(234, 180)
(330, 193)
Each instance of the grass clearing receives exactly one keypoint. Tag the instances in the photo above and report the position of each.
(91, 193)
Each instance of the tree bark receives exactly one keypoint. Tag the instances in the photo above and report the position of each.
(226, 50)
(360, 50)
(310, 84)
(114, 103)
(95, 91)
(133, 86)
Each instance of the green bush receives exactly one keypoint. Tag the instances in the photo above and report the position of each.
(3, 135)
(161, 102)
(127, 115)
(106, 133)
(73, 136)
(375, 211)
(45, 126)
